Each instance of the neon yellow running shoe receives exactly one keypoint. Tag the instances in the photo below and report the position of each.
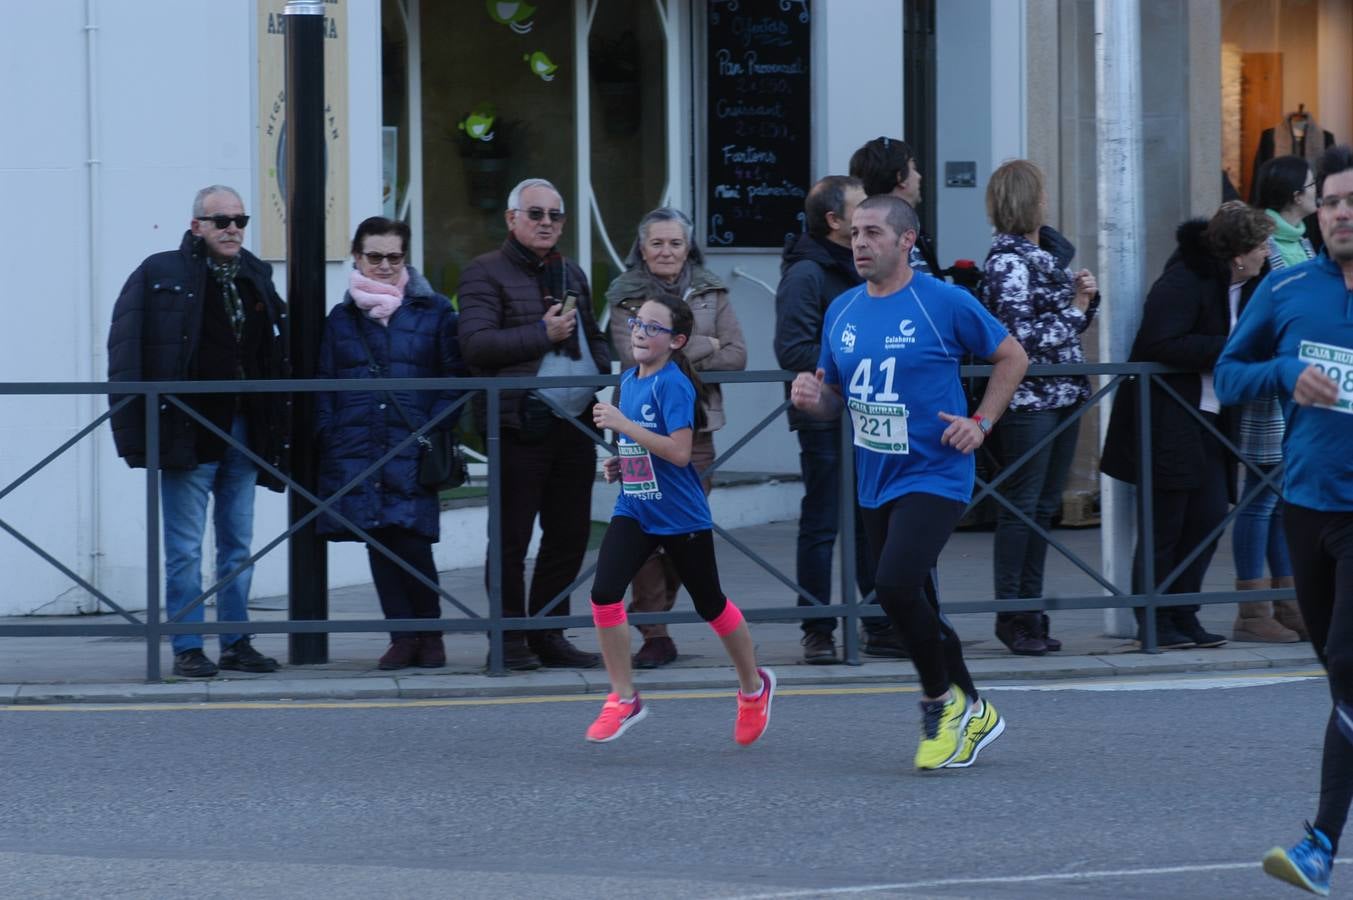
(942, 725)
(983, 727)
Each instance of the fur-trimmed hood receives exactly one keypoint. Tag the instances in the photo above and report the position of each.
(1192, 249)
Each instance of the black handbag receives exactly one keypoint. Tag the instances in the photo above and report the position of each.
(441, 462)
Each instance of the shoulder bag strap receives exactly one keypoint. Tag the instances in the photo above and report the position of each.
(376, 372)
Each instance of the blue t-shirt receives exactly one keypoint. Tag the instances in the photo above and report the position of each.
(896, 360)
(662, 497)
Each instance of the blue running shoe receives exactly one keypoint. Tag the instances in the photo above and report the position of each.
(1307, 865)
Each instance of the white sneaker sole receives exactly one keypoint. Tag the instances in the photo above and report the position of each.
(997, 730)
(624, 726)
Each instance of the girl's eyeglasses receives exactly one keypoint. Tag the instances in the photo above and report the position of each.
(652, 329)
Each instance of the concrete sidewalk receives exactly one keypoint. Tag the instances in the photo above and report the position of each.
(44, 670)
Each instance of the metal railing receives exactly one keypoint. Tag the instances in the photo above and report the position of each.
(151, 627)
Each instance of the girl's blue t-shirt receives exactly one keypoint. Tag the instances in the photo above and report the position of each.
(662, 497)
(896, 361)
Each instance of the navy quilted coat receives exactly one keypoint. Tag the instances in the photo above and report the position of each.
(355, 428)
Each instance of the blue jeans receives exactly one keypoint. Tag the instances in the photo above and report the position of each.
(1258, 533)
(183, 498)
(820, 464)
(1018, 552)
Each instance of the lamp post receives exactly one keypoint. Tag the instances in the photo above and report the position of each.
(307, 553)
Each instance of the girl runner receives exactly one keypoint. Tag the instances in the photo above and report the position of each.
(661, 504)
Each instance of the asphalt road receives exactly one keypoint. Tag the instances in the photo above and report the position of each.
(1171, 789)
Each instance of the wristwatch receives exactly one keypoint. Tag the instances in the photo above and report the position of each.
(982, 423)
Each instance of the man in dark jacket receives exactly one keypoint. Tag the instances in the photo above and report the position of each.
(205, 312)
(526, 311)
(816, 268)
(887, 166)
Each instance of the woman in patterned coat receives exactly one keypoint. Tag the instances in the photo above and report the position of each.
(1047, 308)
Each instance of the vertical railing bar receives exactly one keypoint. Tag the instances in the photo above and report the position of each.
(850, 639)
(495, 455)
(152, 409)
(1146, 530)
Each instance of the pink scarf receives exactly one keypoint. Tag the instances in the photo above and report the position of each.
(377, 298)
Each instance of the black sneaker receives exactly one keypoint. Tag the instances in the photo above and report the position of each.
(1190, 627)
(193, 664)
(884, 643)
(1168, 637)
(242, 657)
(819, 649)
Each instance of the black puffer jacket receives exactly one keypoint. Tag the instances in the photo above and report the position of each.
(1184, 324)
(155, 335)
(810, 279)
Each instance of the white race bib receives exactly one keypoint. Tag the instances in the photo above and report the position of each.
(1337, 363)
(881, 427)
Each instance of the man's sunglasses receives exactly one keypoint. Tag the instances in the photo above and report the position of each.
(224, 221)
(535, 214)
(394, 259)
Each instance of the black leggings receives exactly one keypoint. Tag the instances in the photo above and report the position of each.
(1321, 547)
(627, 546)
(906, 536)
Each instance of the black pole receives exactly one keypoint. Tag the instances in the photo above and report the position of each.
(308, 575)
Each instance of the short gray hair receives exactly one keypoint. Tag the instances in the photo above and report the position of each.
(200, 201)
(665, 214)
(898, 213)
(515, 197)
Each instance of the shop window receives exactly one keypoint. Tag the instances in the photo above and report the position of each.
(1271, 83)
(497, 106)
(626, 61)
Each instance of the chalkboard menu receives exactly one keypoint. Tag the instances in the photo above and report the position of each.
(758, 121)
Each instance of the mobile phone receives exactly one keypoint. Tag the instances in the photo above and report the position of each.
(570, 301)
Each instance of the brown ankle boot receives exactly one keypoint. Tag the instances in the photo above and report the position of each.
(1255, 622)
(431, 650)
(1287, 611)
(400, 654)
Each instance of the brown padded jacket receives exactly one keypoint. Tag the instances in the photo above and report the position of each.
(501, 332)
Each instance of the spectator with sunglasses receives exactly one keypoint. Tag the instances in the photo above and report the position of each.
(207, 311)
(665, 261)
(390, 324)
(526, 311)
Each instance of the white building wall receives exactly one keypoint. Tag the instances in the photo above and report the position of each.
(172, 99)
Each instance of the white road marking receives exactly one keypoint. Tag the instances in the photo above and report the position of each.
(1004, 879)
(1199, 683)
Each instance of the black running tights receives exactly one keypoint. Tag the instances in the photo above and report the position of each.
(1321, 547)
(627, 546)
(906, 536)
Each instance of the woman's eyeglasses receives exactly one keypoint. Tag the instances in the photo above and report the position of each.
(224, 221)
(652, 329)
(394, 259)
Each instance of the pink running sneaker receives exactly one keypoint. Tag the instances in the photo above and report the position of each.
(754, 713)
(616, 718)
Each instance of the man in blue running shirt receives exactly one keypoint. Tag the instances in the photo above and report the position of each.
(1295, 338)
(890, 356)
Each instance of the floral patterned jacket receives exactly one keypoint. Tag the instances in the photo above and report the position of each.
(1031, 291)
